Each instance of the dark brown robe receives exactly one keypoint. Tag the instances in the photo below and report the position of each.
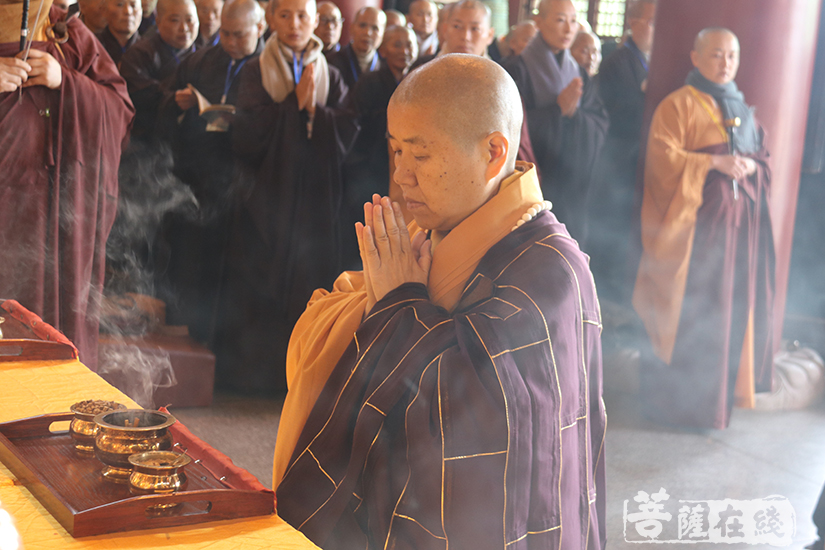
(113, 47)
(286, 237)
(59, 155)
(481, 428)
(731, 273)
(566, 148)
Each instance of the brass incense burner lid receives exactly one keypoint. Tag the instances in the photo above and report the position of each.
(126, 432)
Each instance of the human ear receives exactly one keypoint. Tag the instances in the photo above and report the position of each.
(694, 58)
(497, 150)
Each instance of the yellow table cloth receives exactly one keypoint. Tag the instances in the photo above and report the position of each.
(39, 387)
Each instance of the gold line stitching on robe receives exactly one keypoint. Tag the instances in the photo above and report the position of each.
(367, 456)
(507, 417)
(374, 313)
(415, 312)
(586, 383)
(441, 429)
(419, 524)
(558, 388)
(491, 316)
(334, 407)
(475, 455)
(407, 444)
(519, 348)
(376, 408)
(409, 351)
(322, 469)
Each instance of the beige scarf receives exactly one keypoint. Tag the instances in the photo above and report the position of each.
(276, 74)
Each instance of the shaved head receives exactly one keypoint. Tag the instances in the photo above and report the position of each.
(165, 5)
(243, 10)
(395, 18)
(704, 36)
(469, 97)
(548, 6)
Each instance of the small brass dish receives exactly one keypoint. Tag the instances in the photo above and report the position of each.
(83, 428)
(158, 473)
(124, 433)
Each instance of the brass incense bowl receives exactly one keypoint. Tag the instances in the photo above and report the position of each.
(124, 433)
(83, 428)
(158, 473)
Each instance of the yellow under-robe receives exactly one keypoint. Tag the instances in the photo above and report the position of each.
(326, 328)
(686, 121)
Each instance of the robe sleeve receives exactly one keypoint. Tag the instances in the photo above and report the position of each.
(168, 110)
(318, 341)
(673, 185)
(337, 113)
(147, 92)
(672, 171)
(257, 116)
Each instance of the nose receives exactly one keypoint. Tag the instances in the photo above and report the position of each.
(403, 174)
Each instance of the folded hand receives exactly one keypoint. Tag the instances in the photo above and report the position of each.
(390, 258)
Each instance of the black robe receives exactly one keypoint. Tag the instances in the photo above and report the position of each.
(148, 26)
(367, 167)
(113, 47)
(195, 240)
(148, 68)
(347, 64)
(285, 242)
(566, 148)
(611, 209)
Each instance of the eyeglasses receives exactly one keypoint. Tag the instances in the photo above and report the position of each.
(331, 21)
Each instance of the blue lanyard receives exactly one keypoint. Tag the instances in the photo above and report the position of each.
(355, 69)
(230, 77)
(635, 49)
(298, 69)
(216, 39)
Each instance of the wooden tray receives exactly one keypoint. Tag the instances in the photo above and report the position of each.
(71, 489)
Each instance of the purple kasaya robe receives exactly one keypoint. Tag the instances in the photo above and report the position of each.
(478, 428)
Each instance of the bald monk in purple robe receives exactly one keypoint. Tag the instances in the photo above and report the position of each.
(450, 395)
(62, 138)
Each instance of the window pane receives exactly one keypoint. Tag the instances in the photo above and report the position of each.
(610, 19)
